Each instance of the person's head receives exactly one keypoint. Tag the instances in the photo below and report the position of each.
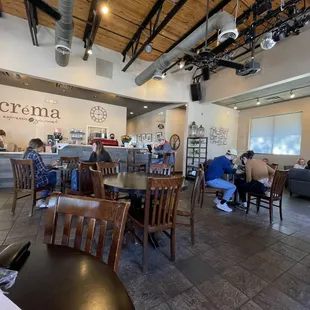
(301, 161)
(36, 145)
(112, 136)
(161, 140)
(266, 160)
(232, 154)
(98, 147)
(2, 135)
(246, 156)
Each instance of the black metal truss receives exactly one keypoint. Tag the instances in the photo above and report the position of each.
(91, 28)
(156, 31)
(32, 17)
(133, 44)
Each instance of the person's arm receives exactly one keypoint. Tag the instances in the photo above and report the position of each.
(40, 164)
(107, 157)
(92, 158)
(248, 172)
(271, 173)
(228, 169)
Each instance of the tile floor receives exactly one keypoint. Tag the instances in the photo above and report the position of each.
(238, 261)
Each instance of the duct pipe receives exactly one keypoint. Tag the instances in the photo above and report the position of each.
(219, 21)
(64, 32)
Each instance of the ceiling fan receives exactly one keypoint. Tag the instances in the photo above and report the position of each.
(206, 57)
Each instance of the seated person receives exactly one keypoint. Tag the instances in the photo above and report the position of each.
(308, 165)
(2, 137)
(258, 177)
(266, 161)
(99, 154)
(215, 171)
(163, 147)
(42, 173)
(300, 164)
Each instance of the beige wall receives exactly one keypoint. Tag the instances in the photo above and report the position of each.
(20, 125)
(274, 109)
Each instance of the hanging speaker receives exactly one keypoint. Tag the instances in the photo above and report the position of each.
(206, 73)
(196, 92)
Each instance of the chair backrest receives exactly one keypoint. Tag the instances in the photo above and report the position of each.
(98, 183)
(85, 180)
(160, 169)
(94, 211)
(274, 166)
(23, 173)
(109, 168)
(161, 202)
(278, 183)
(72, 162)
(199, 186)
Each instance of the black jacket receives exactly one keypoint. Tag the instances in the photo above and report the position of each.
(104, 157)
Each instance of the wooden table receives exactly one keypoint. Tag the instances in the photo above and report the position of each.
(61, 278)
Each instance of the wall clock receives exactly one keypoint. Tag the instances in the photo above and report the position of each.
(98, 114)
(175, 142)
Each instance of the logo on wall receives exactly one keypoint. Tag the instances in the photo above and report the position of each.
(32, 114)
(98, 114)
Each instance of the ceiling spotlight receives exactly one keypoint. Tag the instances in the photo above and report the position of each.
(148, 48)
(186, 104)
(105, 8)
(292, 95)
(145, 107)
(164, 75)
(158, 75)
(235, 107)
(89, 51)
(131, 113)
(181, 64)
(267, 41)
(258, 102)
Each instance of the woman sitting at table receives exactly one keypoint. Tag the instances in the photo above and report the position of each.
(42, 173)
(300, 164)
(99, 153)
(259, 177)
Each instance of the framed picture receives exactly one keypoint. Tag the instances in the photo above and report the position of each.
(149, 137)
(143, 136)
(158, 134)
(139, 138)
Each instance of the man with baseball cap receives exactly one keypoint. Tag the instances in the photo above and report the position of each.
(215, 171)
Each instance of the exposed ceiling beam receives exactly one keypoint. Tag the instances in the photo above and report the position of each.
(134, 42)
(32, 18)
(156, 31)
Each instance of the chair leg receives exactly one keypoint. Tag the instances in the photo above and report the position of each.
(33, 203)
(248, 204)
(192, 231)
(271, 211)
(145, 246)
(280, 207)
(201, 199)
(172, 244)
(14, 202)
(257, 205)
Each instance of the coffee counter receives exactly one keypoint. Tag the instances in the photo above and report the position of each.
(124, 155)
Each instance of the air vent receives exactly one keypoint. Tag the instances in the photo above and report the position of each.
(104, 68)
(64, 86)
(4, 73)
(273, 98)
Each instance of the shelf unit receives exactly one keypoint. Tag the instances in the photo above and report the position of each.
(196, 153)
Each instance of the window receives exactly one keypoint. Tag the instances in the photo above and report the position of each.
(278, 134)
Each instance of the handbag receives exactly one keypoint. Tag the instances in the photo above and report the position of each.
(75, 180)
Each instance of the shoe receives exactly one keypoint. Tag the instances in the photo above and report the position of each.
(224, 207)
(245, 205)
(43, 205)
(216, 200)
(40, 202)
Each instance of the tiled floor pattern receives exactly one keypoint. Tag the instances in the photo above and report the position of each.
(238, 261)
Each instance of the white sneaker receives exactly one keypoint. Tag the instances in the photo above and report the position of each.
(43, 205)
(245, 205)
(216, 200)
(224, 207)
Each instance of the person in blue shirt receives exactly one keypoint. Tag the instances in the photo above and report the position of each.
(162, 148)
(215, 171)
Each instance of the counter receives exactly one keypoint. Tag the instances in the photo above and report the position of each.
(124, 155)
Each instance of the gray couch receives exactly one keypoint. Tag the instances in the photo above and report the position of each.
(299, 182)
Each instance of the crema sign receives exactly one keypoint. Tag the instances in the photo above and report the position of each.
(33, 114)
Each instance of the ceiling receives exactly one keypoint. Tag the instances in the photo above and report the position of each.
(120, 24)
(274, 94)
(30, 83)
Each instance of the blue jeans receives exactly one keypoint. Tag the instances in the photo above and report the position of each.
(229, 188)
(52, 179)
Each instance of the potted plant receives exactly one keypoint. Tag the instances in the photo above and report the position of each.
(125, 140)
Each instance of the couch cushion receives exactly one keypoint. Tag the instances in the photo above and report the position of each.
(300, 174)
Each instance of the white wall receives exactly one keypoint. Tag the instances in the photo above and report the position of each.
(19, 55)
(73, 113)
(291, 106)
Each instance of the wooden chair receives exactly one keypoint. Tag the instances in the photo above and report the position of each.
(273, 166)
(85, 181)
(133, 165)
(24, 182)
(98, 184)
(166, 160)
(160, 210)
(65, 175)
(94, 211)
(108, 168)
(191, 213)
(276, 193)
(206, 190)
(160, 169)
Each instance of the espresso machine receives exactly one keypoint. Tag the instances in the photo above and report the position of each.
(53, 139)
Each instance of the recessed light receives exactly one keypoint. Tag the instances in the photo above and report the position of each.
(131, 113)
(292, 95)
(186, 105)
(235, 107)
(89, 51)
(258, 102)
(95, 96)
(105, 8)
(181, 64)
(145, 107)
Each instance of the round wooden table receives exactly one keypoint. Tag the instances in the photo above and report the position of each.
(55, 277)
(132, 182)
